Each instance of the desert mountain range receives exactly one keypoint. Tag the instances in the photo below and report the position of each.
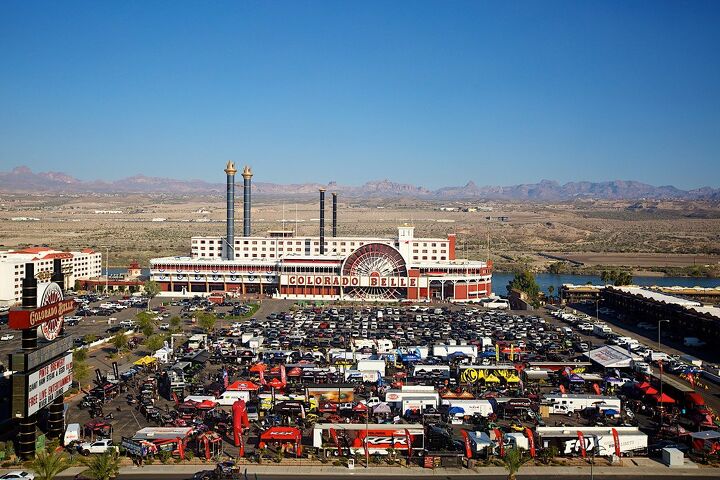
(22, 179)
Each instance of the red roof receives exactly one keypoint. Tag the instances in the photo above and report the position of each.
(87, 250)
(33, 250)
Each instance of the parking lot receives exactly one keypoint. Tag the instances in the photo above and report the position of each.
(486, 371)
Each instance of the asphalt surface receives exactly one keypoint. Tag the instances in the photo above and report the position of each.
(439, 474)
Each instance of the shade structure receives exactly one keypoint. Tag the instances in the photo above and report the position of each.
(664, 398)
(466, 395)
(642, 386)
(382, 408)
(449, 394)
(294, 372)
(512, 379)
(492, 379)
(360, 407)
(650, 391)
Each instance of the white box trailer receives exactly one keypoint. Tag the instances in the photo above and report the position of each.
(470, 407)
(567, 403)
(394, 398)
(371, 366)
(418, 403)
(420, 368)
(630, 439)
(379, 438)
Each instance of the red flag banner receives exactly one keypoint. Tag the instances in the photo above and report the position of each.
(581, 441)
(616, 441)
(531, 441)
(468, 450)
(499, 440)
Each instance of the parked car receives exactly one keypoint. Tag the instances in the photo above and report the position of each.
(7, 336)
(19, 474)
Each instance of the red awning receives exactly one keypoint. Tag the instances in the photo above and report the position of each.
(650, 391)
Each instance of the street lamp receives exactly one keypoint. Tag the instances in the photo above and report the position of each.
(661, 373)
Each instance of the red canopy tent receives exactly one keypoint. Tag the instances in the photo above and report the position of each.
(284, 435)
(664, 398)
(360, 407)
(258, 367)
(243, 385)
(276, 383)
(642, 386)
(650, 391)
(206, 405)
(294, 372)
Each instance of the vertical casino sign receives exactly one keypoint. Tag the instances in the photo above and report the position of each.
(50, 294)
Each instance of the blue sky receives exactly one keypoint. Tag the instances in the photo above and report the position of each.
(431, 93)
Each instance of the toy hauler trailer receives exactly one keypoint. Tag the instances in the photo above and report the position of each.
(568, 403)
(351, 439)
(597, 440)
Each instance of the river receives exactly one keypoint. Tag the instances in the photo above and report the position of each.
(544, 280)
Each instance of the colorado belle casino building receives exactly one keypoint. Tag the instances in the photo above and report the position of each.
(317, 268)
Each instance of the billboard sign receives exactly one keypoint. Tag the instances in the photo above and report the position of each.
(36, 390)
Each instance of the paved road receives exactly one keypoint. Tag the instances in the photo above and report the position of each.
(443, 475)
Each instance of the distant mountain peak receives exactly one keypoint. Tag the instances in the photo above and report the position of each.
(23, 179)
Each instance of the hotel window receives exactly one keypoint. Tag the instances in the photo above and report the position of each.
(424, 257)
(434, 245)
(415, 257)
(434, 258)
(443, 258)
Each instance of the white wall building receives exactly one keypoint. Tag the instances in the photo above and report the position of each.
(77, 265)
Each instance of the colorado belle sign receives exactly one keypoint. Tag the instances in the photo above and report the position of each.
(345, 281)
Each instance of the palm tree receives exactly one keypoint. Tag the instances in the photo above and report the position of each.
(104, 467)
(513, 460)
(49, 465)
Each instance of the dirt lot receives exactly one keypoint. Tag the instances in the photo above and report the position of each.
(140, 227)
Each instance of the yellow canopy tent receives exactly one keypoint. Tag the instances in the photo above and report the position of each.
(146, 360)
(492, 379)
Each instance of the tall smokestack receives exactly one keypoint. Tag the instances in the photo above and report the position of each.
(334, 220)
(230, 171)
(247, 201)
(322, 221)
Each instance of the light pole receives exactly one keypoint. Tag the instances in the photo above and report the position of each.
(661, 373)
(107, 269)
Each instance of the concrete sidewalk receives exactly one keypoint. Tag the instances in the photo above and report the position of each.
(640, 466)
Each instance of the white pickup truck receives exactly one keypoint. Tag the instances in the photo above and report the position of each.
(100, 446)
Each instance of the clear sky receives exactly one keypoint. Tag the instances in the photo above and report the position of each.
(431, 93)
